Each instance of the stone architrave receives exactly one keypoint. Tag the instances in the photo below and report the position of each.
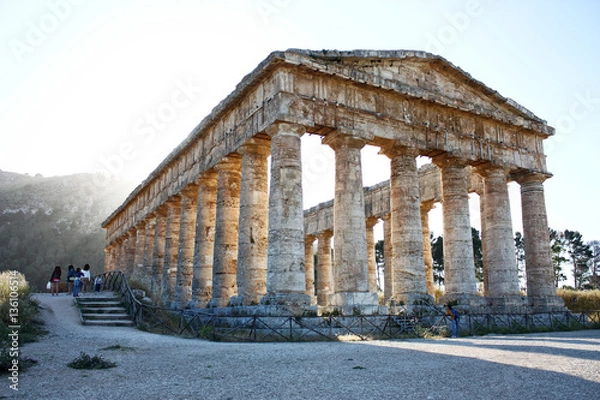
(226, 231)
(350, 264)
(372, 261)
(388, 281)
(309, 266)
(204, 238)
(459, 263)
(185, 256)
(324, 268)
(536, 241)
(427, 206)
(286, 274)
(150, 229)
(497, 233)
(158, 251)
(169, 272)
(253, 226)
(407, 235)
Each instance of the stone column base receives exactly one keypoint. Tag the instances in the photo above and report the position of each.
(239, 301)
(355, 303)
(472, 302)
(507, 305)
(412, 303)
(236, 301)
(546, 304)
(219, 302)
(295, 303)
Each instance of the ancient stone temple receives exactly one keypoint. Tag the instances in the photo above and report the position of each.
(207, 228)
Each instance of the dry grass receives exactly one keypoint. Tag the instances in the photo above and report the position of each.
(580, 300)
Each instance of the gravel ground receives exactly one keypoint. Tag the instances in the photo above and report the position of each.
(555, 365)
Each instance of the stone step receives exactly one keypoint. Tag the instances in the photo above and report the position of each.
(104, 310)
(102, 316)
(112, 303)
(109, 322)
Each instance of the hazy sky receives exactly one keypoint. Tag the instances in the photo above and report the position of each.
(114, 86)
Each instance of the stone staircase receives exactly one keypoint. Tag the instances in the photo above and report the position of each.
(103, 309)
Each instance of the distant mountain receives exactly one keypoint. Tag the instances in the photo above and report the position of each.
(46, 222)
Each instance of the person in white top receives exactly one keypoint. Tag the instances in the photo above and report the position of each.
(85, 280)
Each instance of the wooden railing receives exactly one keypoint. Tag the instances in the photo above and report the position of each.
(202, 323)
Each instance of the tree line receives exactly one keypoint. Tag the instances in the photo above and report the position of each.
(569, 250)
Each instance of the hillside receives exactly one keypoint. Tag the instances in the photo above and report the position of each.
(54, 221)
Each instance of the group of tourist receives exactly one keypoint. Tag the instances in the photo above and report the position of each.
(78, 281)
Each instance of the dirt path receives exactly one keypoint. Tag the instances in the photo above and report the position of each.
(541, 366)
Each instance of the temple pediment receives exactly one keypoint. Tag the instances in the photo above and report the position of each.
(420, 75)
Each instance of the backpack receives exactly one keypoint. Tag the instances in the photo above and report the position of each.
(455, 314)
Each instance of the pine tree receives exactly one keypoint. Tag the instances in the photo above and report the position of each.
(520, 255)
(477, 254)
(594, 264)
(379, 261)
(557, 247)
(579, 254)
(437, 253)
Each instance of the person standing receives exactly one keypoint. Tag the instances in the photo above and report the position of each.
(55, 280)
(70, 279)
(455, 320)
(77, 282)
(86, 279)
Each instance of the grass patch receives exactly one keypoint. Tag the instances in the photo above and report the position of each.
(17, 309)
(85, 361)
(118, 347)
(580, 300)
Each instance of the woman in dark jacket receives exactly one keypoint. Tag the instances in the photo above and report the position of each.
(70, 279)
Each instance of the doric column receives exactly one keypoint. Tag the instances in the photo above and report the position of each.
(185, 253)
(169, 272)
(158, 251)
(254, 215)
(499, 257)
(536, 241)
(120, 254)
(109, 257)
(138, 257)
(205, 238)
(388, 281)
(226, 231)
(350, 271)
(150, 229)
(130, 252)
(484, 243)
(427, 206)
(459, 264)
(407, 235)
(286, 274)
(372, 261)
(309, 265)
(324, 271)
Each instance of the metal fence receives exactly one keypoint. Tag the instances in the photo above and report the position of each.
(200, 323)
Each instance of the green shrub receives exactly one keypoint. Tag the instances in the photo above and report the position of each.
(85, 361)
(18, 311)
